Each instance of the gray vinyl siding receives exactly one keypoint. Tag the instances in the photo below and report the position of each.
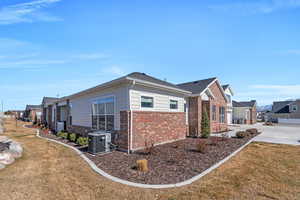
(81, 111)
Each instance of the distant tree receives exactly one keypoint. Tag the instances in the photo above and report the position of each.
(205, 126)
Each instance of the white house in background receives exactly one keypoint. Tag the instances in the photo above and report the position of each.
(229, 94)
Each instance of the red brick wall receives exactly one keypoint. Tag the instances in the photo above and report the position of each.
(219, 101)
(157, 127)
(253, 112)
(194, 115)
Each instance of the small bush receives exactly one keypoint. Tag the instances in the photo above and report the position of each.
(205, 125)
(241, 134)
(252, 131)
(82, 141)
(142, 165)
(268, 124)
(149, 147)
(201, 147)
(60, 134)
(72, 137)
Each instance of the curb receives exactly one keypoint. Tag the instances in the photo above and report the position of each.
(147, 186)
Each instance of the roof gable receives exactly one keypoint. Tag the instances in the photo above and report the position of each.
(197, 87)
(249, 104)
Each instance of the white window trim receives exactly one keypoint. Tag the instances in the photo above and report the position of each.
(147, 108)
(294, 106)
(93, 100)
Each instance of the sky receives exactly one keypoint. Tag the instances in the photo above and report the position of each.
(60, 47)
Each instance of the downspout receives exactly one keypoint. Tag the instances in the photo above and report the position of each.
(131, 121)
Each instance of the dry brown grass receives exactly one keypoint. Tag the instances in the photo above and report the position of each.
(51, 171)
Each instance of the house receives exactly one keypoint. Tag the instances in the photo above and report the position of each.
(33, 113)
(138, 109)
(207, 96)
(18, 114)
(48, 112)
(229, 94)
(244, 112)
(285, 112)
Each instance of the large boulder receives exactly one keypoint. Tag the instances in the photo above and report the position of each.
(6, 158)
(15, 149)
(4, 139)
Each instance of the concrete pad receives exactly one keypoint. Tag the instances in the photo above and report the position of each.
(279, 133)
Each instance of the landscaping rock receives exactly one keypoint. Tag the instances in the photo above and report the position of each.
(6, 158)
(15, 149)
(4, 139)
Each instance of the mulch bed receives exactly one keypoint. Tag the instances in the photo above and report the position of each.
(168, 163)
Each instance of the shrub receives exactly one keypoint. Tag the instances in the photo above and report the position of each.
(82, 141)
(268, 124)
(241, 134)
(142, 165)
(201, 147)
(72, 137)
(149, 146)
(205, 125)
(60, 134)
(252, 131)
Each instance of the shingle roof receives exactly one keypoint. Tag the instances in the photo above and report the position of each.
(50, 99)
(145, 77)
(279, 105)
(225, 86)
(33, 107)
(196, 87)
(243, 103)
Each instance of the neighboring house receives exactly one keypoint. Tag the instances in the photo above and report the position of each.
(47, 117)
(229, 93)
(18, 114)
(33, 113)
(244, 112)
(207, 96)
(285, 112)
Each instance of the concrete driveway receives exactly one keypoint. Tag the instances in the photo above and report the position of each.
(279, 133)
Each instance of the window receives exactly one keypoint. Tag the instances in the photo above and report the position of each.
(222, 114)
(173, 104)
(103, 114)
(214, 113)
(146, 102)
(294, 107)
(228, 97)
(185, 107)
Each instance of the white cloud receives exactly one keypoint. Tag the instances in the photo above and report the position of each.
(293, 52)
(11, 43)
(27, 12)
(256, 7)
(28, 64)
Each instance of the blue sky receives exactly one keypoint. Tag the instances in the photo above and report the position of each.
(59, 47)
